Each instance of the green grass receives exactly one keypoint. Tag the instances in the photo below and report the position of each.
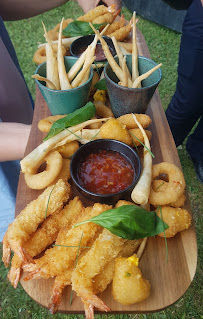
(164, 47)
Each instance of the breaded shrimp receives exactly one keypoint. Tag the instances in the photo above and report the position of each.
(101, 281)
(64, 279)
(108, 17)
(115, 25)
(58, 259)
(122, 33)
(105, 248)
(45, 236)
(26, 223)
(96, 12)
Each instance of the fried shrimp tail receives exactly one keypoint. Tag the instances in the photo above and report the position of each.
(26, 223)
(6, 251)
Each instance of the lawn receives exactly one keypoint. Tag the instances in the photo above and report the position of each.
(164, 47)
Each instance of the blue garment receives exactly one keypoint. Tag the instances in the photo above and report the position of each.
(186, 106)
(9, 171)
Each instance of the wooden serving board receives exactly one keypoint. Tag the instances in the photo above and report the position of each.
(169, 280)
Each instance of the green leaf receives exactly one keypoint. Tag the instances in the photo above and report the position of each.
(101, 85)
(130, 222)
(80, 28)
(81, 115)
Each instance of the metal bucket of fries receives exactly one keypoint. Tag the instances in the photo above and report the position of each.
(127, 99)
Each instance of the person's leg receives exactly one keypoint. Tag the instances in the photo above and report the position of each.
(186, 106)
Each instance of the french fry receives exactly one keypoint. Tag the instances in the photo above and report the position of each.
(66, 42)
(141, 191)
(145, 75)
(127, 46)
(116, 25)
(77, 66)
(120, 56)
(41, 78)
(135, 72)
(89, 54)
(80, 75)
(51, 64)
(125, 72)
(63, 77)
(115, 67)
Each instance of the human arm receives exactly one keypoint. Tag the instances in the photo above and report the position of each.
(22, 9)
(13, 140)
(89, 5)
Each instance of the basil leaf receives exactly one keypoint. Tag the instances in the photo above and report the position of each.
(101, 85)
(130, 222)
(81, 115)
(80, 28)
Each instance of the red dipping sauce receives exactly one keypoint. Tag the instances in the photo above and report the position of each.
(105, 172)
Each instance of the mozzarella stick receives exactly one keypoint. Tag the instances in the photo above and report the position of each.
(145, 75)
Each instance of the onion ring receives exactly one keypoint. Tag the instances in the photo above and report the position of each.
(64, 173)
(40, 55)
(35, 180)
(161, 186)
(44, 125)
(178, 219)
(175, 186)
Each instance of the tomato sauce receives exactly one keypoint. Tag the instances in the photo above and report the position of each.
(105, 172)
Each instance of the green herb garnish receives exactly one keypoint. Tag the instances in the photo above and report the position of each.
(129, 222)
(142, 144)
(48, 202)
(76, 261)
(101, 84)
(159, 208)
(81, 115)
(80, 28)
(160, 185)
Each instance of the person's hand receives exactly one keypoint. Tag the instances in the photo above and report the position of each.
(87, 5)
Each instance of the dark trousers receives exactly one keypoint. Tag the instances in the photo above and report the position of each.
(186, 106)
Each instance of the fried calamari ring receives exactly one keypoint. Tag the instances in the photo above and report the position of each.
(129, 121)
(175, 185)
(178, 219)
(35, 180)
(159, 185)
(40, 55)
(44, 125)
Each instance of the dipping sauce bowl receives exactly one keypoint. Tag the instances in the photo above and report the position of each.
(81, 44)
(105, 170)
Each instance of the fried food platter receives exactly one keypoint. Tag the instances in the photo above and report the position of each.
(169, 280)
